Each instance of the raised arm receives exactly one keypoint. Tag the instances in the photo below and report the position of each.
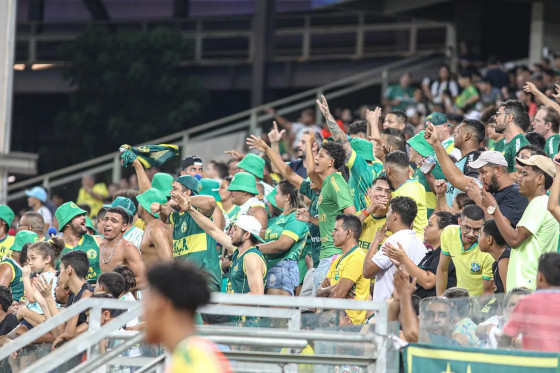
(540, 96)
(553, 205)
(203, 222)
(275, 137)
(408, 318)
(372, 118)
(440, 187)
(143, 181)
(338, 135)
(450, 170)
(205, 204)
(284, 170)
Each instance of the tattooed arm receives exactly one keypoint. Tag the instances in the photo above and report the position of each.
(338, 135)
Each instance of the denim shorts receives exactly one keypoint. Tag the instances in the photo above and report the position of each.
(284, 276)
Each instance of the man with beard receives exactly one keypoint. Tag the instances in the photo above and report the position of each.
(492, 172)
(460, 242)
(157, 244)
(72, 223)
(512, 120)
(116, 250)
(190, 242)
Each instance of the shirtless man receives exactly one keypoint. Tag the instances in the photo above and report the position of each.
(157, 244)
(115, 250)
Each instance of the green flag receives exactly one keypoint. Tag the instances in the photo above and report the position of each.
(432, 358)
(148, 155)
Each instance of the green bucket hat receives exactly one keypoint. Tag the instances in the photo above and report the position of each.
(150, 196)
(437, 119)
(243, 182)
(419, 143)
(363, 148)
(7, 214)
(211, 187)
(124, 203)
(89, 224)
(163, 182)
(23, 237)
(191, 183)
(271, 197)
(253, 164)
(65, 213)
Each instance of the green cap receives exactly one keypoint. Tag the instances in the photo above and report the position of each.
(126, 204)
(253, 164)
(363, 148)
(65, 213)
(437, 119)
(419, 143)
(150, 196)
(243, 182)
(89, 224)
(163, 182)
(211, 187)
(7, 214)
(23, 237)
(271, 197)
(191, 183)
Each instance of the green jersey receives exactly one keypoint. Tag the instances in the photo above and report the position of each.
(334, 198)
(465, 95)
(88, 245)
(16, 283)
(286, 225)
(362, 175)
(314, 238)
(237, 278)
(405, 95)
(191, 243)
(511, 148)
(498, 145)
(551, 145)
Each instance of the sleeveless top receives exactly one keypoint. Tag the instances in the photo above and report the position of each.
(89, 246)
(16, 285)
(237, 282)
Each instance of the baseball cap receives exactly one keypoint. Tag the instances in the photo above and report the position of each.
(436, 118)
(191, 183)
(419, 143)
(23, 237)
(490, 156)
(37, 192)
(543, 163)
(250, 224)
(193, 160)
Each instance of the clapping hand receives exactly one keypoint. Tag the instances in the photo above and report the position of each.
(395, 254)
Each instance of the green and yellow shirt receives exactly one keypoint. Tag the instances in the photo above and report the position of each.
(286, 225)
(88, 245)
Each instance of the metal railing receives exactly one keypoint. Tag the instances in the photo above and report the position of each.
(218, 41)
(247, 120)
(269, 307)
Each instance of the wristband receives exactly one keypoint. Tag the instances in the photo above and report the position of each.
(364, 211)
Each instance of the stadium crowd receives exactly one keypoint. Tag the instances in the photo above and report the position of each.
(447, 191)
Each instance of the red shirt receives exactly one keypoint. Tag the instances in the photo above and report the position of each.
(537, 318)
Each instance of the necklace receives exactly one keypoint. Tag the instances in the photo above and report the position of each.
(112, 252)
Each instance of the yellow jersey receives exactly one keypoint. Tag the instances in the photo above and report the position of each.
(6, 245)
(413, 189)
(195, 355)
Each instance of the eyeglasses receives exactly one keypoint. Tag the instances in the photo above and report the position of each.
(498, 113)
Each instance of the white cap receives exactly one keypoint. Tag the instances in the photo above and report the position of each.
(489, 156)
(250, 224)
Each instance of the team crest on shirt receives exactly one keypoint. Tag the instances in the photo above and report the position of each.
(475, 267)
(91, 254)
(183, 227)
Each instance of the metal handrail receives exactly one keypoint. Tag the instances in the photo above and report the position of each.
(247, 119)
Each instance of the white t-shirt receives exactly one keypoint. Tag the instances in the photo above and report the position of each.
(46, 214)
(414, 249)
(134, 235)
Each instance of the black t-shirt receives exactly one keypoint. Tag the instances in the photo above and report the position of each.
(299, 168)
(512, 203)
(430, 263)
(497, 278)
(74, 298)
(8, 324)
